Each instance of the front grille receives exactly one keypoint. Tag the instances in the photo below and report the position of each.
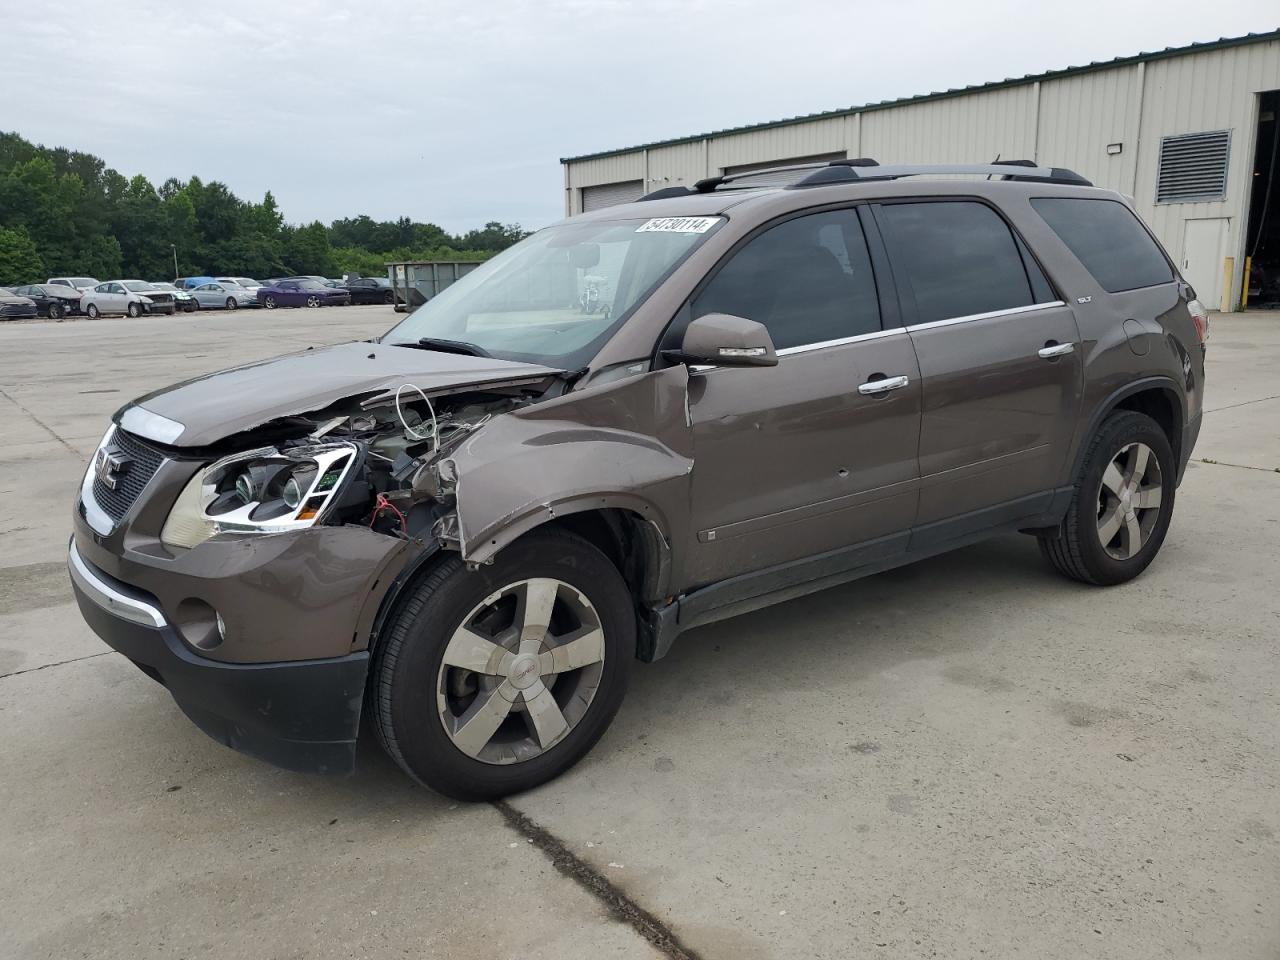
(143, 462)
(158, 297)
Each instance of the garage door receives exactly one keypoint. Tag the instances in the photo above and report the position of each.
(608, 194)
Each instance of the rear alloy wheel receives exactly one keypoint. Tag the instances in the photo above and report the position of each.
(269, 302)
(231, 303)
(1122, 505)
(313, 301)
(495, 680)
(91, 311)
(133, 310)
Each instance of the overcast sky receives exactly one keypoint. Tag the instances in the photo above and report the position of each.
(458, 112)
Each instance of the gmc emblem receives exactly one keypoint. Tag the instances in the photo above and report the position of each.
(110, 468)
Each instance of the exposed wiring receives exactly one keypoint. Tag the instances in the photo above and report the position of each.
(382, 503)
(409, 431)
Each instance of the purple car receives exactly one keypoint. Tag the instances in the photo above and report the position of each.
(301, 293)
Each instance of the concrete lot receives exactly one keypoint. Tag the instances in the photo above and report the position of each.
(969, 757)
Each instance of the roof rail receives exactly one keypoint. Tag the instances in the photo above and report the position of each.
(864, 169)
(1028, 172)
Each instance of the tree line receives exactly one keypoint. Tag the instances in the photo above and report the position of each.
(66, 213)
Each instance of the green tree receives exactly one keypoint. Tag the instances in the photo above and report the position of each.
(20, 262)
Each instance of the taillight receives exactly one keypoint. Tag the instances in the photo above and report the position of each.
(1201, 316)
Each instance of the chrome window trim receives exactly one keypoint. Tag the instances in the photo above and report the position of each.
(151, 426)
(991, 315)
(108, 597)
(823, 344)
(880, 334)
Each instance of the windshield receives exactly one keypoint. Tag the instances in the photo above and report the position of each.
(137, 286)
(164, 286)
(6, 292)
(310, 285)
(229, 281)
(83, 282)
(247, 282)
(554, 297)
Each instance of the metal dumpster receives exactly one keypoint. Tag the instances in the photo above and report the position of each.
(415, 282)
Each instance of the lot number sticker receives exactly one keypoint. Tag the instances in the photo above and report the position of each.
(678, 225)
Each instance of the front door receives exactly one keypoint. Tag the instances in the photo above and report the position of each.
(1202, 258)
(818, 453)
(1000, 364)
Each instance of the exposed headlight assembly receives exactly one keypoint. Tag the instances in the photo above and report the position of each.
(260, 491)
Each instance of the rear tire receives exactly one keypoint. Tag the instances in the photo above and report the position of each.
(421, 703)
(1122, 504)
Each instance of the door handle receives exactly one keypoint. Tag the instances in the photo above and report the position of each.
(883, 385)
(1051, 351)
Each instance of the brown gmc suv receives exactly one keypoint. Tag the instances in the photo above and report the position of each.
(636, 421)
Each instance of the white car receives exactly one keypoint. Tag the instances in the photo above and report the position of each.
(83, 284)
(248, 283)
(113, 297)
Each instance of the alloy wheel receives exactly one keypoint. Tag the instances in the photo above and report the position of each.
(1129, 500)
(269, 302)
(313, 301)
(520, 671)
(231, 303)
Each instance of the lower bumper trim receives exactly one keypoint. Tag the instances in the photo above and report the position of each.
(300, 715)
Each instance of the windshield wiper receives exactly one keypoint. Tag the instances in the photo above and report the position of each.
(448, 346)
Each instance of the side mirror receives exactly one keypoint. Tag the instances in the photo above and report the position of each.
(724, 340)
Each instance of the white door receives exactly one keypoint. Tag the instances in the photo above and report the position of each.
(1202, 253)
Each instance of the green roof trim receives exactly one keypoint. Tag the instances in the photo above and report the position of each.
(1220, 44)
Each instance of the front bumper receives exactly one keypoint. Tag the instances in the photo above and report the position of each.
(300, 715)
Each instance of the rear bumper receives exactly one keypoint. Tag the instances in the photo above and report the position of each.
(300, 715)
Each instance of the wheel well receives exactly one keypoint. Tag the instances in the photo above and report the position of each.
(1161, 405)
(630, 542)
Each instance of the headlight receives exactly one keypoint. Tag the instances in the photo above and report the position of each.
(260, 491)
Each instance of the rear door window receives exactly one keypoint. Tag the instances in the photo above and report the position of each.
(808, 280)
(958, 258)
(1108, 239)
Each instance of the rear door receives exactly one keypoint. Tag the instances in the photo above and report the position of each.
(818, 453)
(1000, 363)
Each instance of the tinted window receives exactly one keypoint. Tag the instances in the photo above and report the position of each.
(807, 280)
(1108, 239)
(958, 258)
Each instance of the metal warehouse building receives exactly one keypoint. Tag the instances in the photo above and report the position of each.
(1190, 133)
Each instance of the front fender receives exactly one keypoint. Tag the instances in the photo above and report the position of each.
(625, 444)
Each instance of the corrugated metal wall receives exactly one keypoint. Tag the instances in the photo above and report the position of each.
(1069, 121)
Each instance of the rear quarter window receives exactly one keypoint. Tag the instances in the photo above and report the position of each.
(1108, 239)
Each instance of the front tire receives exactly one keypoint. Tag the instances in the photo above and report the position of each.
(495, 680)
(134, 310)
(1122, 504)
(56, 311)
(231, 303)
(269, 302)
(313, 301)
(92, 311)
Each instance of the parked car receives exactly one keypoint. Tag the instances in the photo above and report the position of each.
(301, 293)
(82, 284)
(247, 283)
(162, 301)
(184, 301)
(52, 300)
(14, 306)
(370, 290)
(217, 295)
(475, 523)
(114, 298)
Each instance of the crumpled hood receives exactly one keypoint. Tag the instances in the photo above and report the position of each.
(219, 405)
